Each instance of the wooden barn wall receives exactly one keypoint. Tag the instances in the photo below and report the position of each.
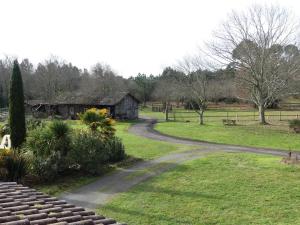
(127, 108)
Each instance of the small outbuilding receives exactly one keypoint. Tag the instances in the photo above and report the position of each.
(121, 105)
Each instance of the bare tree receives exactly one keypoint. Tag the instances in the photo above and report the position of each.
(197, 84)
(259, 43)
(168, 88)
(6, 65)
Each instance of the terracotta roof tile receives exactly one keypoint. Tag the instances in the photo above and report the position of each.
(21, 205)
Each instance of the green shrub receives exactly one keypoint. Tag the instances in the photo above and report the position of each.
(40, 142)
(294, 123)
(116, 149)
(32, 124)
(89, 152)
(13, 165)
(49, 147)
(61, 132)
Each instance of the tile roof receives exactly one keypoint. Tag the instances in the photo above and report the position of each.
(21, 205)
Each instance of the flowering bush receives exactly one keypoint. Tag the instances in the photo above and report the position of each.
(99, 122)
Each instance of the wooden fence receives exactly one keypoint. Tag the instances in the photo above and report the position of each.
(232, 115)
(158, 107)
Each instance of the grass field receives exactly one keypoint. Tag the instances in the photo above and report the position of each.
(227, 189)
(144, 148)
(276, 135)
(273, 136)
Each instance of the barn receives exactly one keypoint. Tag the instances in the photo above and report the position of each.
(121, 105)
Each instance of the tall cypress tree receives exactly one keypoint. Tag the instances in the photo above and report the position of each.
(16, 108)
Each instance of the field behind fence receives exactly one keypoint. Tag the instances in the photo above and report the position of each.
(210, 115)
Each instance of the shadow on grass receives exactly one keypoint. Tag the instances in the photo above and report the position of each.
(150, 218)
(187, 194)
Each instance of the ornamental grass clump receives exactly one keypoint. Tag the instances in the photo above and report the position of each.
(49, 147)
(13, 165)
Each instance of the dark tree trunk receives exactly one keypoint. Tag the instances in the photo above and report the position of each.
(201, 119)
(167, 112)
(262, 118)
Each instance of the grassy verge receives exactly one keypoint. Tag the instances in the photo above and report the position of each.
(223, 189)
(64, 184)
(271, 136)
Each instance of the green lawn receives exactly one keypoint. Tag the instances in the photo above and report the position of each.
(247, 133)
(227, 189)
(147, 112)
(271, 136)
(144, 148)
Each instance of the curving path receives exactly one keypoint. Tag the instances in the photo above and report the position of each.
(145, 129)
(100, 192)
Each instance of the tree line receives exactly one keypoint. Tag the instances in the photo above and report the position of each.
(254, 57)
(58, 81)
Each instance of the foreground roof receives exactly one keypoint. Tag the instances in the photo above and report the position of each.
(21, 205)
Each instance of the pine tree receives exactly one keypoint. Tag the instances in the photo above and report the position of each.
(16, 108)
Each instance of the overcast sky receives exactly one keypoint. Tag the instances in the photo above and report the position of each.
(130, 35)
